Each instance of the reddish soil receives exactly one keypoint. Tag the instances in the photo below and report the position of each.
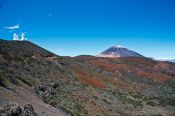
(154, 76)
(89, 79)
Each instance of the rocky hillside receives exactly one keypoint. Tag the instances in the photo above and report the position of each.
(83, 85)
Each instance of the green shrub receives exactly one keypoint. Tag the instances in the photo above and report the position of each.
(151, 103)
(156, 115)
(27, 81)
(68, 104)
(3, 81)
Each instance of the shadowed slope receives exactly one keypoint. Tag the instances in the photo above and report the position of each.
(22, 48)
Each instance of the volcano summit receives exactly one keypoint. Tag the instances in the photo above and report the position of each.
(119, 51)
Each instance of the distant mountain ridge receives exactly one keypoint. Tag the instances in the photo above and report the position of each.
(167, 60)
(172, 60)
(119, 51)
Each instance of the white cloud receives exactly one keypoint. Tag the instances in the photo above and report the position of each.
(50, 14)
(163, 59)
(13, 27)
(60, 50)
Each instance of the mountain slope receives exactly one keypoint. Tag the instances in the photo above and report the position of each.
(22, 48)
(118, 51)
(172, 60)
(85, 85)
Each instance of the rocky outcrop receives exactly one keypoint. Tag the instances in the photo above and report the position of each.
(16, 110)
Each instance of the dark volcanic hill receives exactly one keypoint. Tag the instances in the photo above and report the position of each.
(83, 85)
(118, 51)
(22, 48)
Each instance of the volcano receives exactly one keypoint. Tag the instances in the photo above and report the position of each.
(119, 51)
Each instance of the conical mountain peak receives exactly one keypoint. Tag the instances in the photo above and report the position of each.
(119, 51)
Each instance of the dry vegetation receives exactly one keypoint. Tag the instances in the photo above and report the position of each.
(84, 85)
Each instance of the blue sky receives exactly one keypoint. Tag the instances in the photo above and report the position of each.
(75, 27)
